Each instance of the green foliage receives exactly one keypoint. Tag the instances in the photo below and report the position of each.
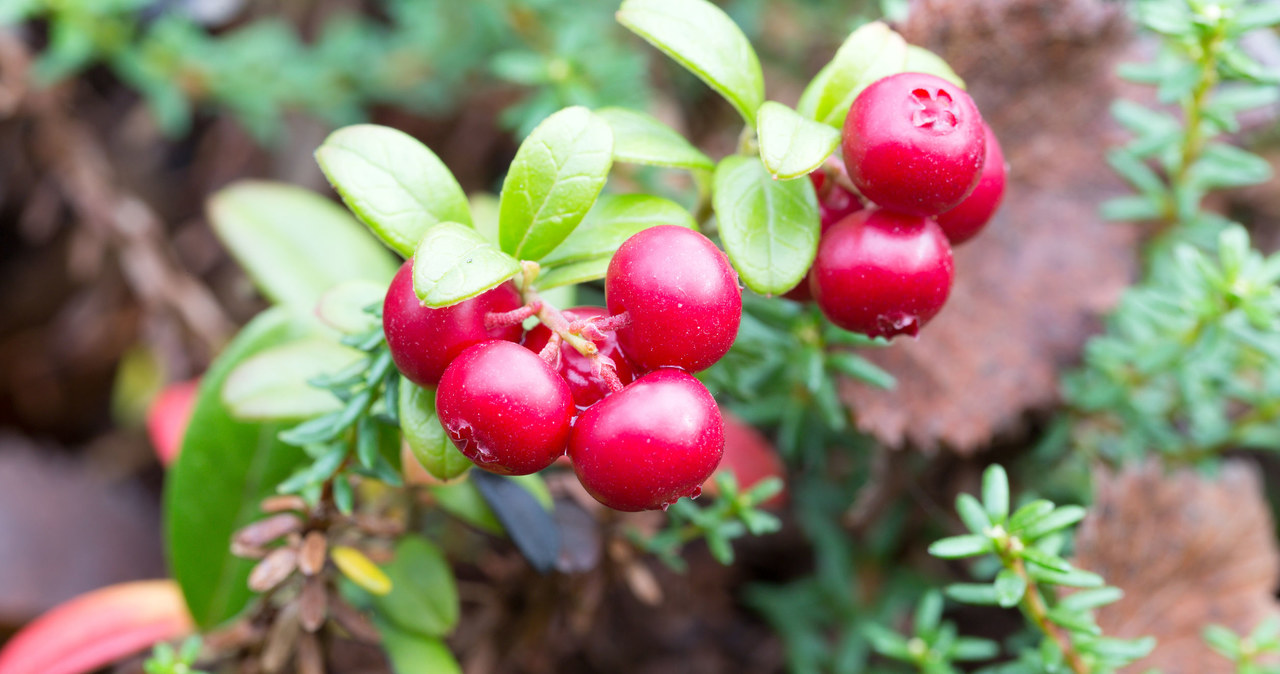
(792, 145)
(454, 262)
(1028, 547)
(733, 514)
(1243, 652)
(165, 659)
(933, 646)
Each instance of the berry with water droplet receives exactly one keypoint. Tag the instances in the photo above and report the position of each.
(914, 143)
(423, 341)
(965, 221)
(882, 273)
(505, 408)
(579, 371)
(681, 295)
(650, 444)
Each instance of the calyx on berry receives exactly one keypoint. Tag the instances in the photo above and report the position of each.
(882, 273)
(585, 381)
(505, 408)
(423, 340)
(649, 444)
(965, 221)
(681, 295)
(914, 143)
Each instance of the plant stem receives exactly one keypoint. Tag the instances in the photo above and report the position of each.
(1193, 140)
(1036, 609)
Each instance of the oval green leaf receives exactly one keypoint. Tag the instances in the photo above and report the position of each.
(573, 273)
(424, 599)
(392, 182)
(344, 307)
(426, 438)
(869, 53)
(921, 60)
(273, 385)
(293, 243)
(639, 138)
(769, 227)
(792, 145)
(455, 262)
(224, 469)
(703, 39)
(614, 219)
(411, 653)
(555, 177)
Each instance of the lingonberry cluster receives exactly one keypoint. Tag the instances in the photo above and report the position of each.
(611, 386)
(931, 174)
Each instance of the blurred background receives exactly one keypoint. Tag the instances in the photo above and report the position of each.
(119, 117)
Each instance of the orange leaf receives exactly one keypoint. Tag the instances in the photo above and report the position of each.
(97, 629)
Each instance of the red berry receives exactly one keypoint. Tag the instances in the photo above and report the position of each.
(913, 143)
(504, 408)
(424, 341)
(649, 444)
(682, 297)
(168, 417)
(965, 221)
(586, 385)
(834, 204)
(882, 273)
(751, 458)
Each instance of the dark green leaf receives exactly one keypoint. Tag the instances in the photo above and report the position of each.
(769, 227)
(861, 369)
(392, 182)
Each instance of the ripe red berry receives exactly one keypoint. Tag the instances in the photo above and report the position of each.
(965, 221)
(649, 444)
(913, 143)
(882, 273)
(586, 385)
(834, 204)
(423, 341)
(682, 297)
(504, 408)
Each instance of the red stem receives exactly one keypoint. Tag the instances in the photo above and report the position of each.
(501, 319)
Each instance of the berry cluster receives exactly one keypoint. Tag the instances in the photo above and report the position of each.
(932, 174)
(611, 386)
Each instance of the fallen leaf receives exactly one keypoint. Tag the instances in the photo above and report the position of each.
(1188, 551)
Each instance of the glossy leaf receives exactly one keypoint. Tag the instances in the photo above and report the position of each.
(425, 600)
(614, 219)
(273, 385)
(871, 52)
(1061, 518)
(224, 469)
(392, 182)
(293, 243)
(554, 179)
(411, 653)
(639, 138)
(343, 307)
(792, 145)
(769, 227)
(455, 262)
(424, 435)
(995, 493)
(574, 272)
(96, 629)
(702, 38)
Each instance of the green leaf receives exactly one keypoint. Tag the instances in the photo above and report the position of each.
(1126, 650)
(769, 227)
(293, 243)
(574, 272)
(555, 177)
(871, 52)
(861, 369)
(224, 469)
(1254, 16)
(274, 385)
(972, 514)
(791, 145)
(1059, 519)
(424, 435)
(1222, 640)
(1009, 588)
(639, 138)
(978, 594)
(392, 182)
(1028, 514)
(454, 263)
(411, 653)
(928, 613)
(614, 219)
(921, 60)
(1037, 556)
(971, 649)
(1225, 166)
(343, 307)
(1132, 208)
(886, 642)
(424, 596)
(1087, 600)
(995, 493)
(955, 547)
(1072, 578)
(702, 38)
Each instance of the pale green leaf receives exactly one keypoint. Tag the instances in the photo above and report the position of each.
(871, 52)
(455, 262)
(769, 227)
(272, 385)
(792, 145)
(344, 306)
(921, 60)
(639, 138)
(613, 220)
(425, 436)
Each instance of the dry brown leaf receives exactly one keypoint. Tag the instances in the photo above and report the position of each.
(272, 570)
(315, 549)
(267, 530)
(1188, 552)
(1030, 289)
(313, 604)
